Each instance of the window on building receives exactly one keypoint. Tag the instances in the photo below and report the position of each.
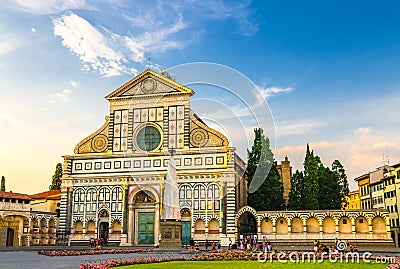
(199, 196)
(120, 142)
(213, 197)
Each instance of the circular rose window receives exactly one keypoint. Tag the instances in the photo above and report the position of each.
(148, 138)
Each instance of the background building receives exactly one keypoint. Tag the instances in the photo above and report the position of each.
(285, 172)
(378, 189)
(353, 201)
(29, 219)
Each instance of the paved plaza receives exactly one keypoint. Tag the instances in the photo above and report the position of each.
(32, 260)
(28, 258)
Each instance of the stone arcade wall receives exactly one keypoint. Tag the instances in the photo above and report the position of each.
(303, 227)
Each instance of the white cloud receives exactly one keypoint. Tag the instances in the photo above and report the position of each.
(272, 91)
(362, 131)
(90, 45)
(239, 11)
(383, 145)
(8, 41)
(5, 47)
(62, 96)
(49, 6)
(264, 93)
(155, 41)
(128, 30)
(73, 83)
(297, 128)
(107, 53)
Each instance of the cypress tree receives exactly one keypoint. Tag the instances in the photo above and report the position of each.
(296, 197)
(265, 187)
(311, 187)
(56, 178)
(329, 197)
(3, 183)
(342, 182)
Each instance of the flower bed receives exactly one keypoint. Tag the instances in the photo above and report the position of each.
(395, 265)
(91, 252)
(237, 255)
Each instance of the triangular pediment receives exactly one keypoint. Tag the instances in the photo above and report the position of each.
(148, 83)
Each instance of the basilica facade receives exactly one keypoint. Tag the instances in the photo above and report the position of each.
(112, 186)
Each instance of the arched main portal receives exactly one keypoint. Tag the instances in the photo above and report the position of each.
(247, 224)
(144, 204)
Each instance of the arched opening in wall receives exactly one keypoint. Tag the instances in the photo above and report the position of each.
(328, 225)
(247, 224)
(78, 227)
(213, 230)
(199, 227)
(344, 225)
(34, 237)
(312, 225)
(116, 227)
(52, 224)
(266, 226)
(104, 224)
(361, 224)
(34, 225)
(25, 232)
(43, 231)
(296, 225)
(281, 226)
(378, 225)
(186, 231)
(52, 231)
(43, 226)
(90, 227)
(10, 237)
(213, 227)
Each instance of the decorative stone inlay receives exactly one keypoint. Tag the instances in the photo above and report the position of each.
(99, 143)
(198, 137)
(148, 85)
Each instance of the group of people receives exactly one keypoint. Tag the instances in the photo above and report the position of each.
(338, 247)
(320, 248)
(214, 245)
(195, 246)
(246, 243)
(97, 242)
(251, 243)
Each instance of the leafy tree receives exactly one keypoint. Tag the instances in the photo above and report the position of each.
(342, 182)
(265, 188)
(56, 179)
(329, 197)
(311, 187)
(3, 183)
(296, 197)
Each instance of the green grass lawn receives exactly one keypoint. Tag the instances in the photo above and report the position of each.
(253, 265)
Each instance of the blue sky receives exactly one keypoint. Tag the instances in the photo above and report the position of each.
(329, 72)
